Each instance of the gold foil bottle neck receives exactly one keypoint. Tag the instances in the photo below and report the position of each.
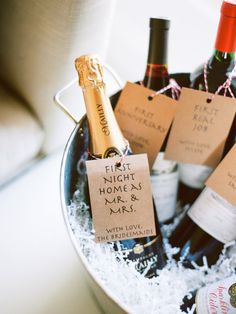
(90, 70)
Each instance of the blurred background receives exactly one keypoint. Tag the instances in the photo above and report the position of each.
(191, 39)
(40, 272)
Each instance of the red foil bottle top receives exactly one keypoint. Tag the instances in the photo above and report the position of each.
(226, 35)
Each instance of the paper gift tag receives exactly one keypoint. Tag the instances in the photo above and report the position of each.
(144, 122)
(200, 129)
(121, 199)
(223, 179)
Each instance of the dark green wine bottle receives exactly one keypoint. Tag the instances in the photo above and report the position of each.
(200, 232)
(219, 67)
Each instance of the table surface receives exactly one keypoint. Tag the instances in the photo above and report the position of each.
(40, 272)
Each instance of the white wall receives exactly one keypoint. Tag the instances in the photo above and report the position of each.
(192, 34)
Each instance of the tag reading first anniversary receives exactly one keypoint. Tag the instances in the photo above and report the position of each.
(200, 128)
(223, 179)
(121, 199)
(144, 123)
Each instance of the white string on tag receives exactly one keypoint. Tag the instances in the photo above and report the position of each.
(173, 85)
(127, 148)
(226, 85)
(122, 157)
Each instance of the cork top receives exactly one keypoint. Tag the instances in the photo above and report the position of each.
(90, 70)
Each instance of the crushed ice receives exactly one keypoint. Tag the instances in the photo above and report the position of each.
(162, 294)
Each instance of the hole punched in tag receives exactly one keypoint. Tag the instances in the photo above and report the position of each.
(209, 100)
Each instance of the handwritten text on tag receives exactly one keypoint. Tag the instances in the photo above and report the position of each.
(223, 179)
(144, 123)
(121, 199)
(200, 128)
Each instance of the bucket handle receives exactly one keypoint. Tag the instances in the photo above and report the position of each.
(59, 94)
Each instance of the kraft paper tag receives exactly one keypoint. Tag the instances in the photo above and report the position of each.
(121, 199)
(144, 123)
(200, 129)
(223, 179)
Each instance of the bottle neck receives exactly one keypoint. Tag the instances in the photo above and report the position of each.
(106, 139)
(225, 44)
(227, 57)
(156, 74)
(158, 45)
(222, 61)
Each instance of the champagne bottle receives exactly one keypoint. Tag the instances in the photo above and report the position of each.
(106, 140)
(164, 174)
(203, 230)
(220, 65)
(217, 298)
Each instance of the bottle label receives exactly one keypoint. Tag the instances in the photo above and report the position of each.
(214, 215)
(161, 165)
(200, 128)
(111, 152)
(164, 181)
(223, 179)
(148, 256)
(194, 176)
(121, 198)
(218, 298)
(144, 122)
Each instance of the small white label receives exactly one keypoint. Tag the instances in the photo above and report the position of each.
(194, 176)
(161, 165)
(217, 298)
(164, 189)
(214, 215)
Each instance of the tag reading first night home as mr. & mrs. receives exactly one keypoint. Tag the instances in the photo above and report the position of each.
(200, 128)
(121, 199)
(223, 179)
(144, 123)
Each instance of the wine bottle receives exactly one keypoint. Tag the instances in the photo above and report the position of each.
(164, 174)
(106, 140)
(217, 298)
(219, 66)
(202, 230)
(156, 74)
(209, 224)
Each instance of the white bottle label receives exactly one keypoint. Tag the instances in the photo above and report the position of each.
(161, 165)
(164, 189)
(214, 215)
(217, 298)
(194, 176)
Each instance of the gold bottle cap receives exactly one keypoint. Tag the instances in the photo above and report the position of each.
(90, 70)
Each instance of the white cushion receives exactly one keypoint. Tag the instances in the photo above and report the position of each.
(39, 43)
(21, 136)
